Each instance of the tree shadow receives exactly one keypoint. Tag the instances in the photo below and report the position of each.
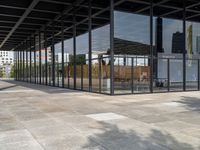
(190, 103)
(113, 138)
(43, 88)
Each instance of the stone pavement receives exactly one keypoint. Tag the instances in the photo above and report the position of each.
(36, 117)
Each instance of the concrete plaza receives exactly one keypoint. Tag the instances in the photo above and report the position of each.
(36, 117)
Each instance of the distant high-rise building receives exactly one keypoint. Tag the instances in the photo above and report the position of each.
(198, 44)
(6, 57)
(177, 42)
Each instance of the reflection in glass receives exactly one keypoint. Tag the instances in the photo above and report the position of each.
(69, 63)
(82, 81)
(131, 50)
(100, 49)
(58, 64)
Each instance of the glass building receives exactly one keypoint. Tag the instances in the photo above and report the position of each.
(105, 46)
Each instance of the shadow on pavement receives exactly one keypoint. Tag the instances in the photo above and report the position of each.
(114, 138)
(43, 88)
(190, 103)
(7, 87)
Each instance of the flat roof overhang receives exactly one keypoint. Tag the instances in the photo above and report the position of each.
(21, 20)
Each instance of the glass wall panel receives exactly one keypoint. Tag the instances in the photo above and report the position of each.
(49, 66)
(20, 64)
(69, 64)
(23, 64)
(193, 51)
(170, 45)
(191, 74)
(82, 81)
(176, 74)
(100, 50)
(27, 64)
(43, 71)
(161, 83)
(32, 62)
(58, 64)
(131, 44)
(67, 49)
(37, 59)
(141, 74)
(42, 59)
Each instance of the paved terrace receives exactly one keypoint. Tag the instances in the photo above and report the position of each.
(34, 117)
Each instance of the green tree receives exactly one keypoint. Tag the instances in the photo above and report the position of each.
(12, 72)
(2, 74)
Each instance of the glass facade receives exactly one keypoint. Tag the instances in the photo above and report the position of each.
(125, 47)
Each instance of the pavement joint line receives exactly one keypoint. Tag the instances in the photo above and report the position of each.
(14, 91)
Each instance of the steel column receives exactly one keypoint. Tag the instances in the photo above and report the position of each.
(100, 74)
(132, 73)
(74, 47)
(168, 75)
(151, 46)
(18, 63)
(184, 45)
(23, 47)
(90, 45)
(81, 75)
(30, 65)
(53, 57)
(27, 73)
(112, 47)
(39, 42)
(45, 47)
(15, 60)
(198, 74)
(34, 49)
(62, 51)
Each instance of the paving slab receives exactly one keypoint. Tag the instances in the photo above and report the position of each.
(38, 117)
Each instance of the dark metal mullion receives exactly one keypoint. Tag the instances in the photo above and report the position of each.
(74, 47)
(112, 47)
(30, 54)
(53, 57)
(18, 65)
(40, 76)
(81, 75)
(198, 74)
(184, 45)
(34, 49)
(15, 64)
(23, 60)
(132, 72)
(57, 71)
(45, 46)
(90, 45)
(27, 74)
(62, 53)
(18, 68)
(151, 46)
(68, 74)
(168, 75)
(100, 74)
